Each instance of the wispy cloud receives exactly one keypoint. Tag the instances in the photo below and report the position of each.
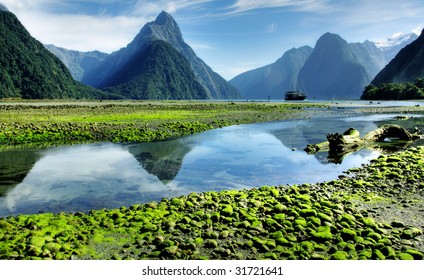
(317, 6)
(272, 27)
(105, 25)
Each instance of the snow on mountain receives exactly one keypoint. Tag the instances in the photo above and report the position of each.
(396, 40)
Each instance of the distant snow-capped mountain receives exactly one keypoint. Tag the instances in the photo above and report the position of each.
(396, 40)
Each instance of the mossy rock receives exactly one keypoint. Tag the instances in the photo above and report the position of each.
(212, 234)
(5, 225)
(286, 199)
(171, 250)
(323, 233)
(389, 252)
(37, 241)
(177, 202)
(280, 217)
(314, 221)
(365, 254)
(53, 247)
(348, 234)
(211, 243)
(224, 234)
(308, 213)
(417, 255)
(280, 208)
(216, 217)
(149, 227)
(227, 211)
(271, 223)
(325, 217)
(405, 256)
(307, 246)
(375, 236)
(411, 233)
(277, 235)
(257, 225)
(340, 255)
(378, 255)
(348, 218)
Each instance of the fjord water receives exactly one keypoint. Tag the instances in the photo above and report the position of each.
(105, 175)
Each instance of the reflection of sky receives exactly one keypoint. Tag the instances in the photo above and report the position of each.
(240, 160)
(83, 177)
(100, 172)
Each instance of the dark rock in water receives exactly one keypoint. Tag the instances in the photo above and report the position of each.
(338, 145)
(390, 131)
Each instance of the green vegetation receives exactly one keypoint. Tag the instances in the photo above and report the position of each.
(394, 91)
(160, 72)
(56, 123)
(319, 221)
(28, 70)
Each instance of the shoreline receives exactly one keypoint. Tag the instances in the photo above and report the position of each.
(374, 212)
(340, 219)
(58, 122)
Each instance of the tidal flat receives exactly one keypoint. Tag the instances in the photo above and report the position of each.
(77, 122)
(373, 212)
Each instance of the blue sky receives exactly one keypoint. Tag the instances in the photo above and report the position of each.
(231, 36)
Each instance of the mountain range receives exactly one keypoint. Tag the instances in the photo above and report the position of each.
(78, 62)
(123, 68)
(157, 64)
(28, 70)
(268, 82)
(407, 66)
(334, 68)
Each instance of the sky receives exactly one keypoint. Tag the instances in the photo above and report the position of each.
(231, 36)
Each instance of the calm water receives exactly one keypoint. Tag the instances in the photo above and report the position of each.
(94, 176)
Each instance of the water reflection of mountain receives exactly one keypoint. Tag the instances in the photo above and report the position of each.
(15, 164)
(163, 159)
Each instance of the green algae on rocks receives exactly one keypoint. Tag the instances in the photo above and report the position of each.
(329, 220)
(76, 122)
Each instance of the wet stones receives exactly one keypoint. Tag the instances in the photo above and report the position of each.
(321, 221)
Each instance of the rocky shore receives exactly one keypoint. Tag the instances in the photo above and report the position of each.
(373, 212)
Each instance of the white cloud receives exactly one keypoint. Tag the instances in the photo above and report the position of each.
(82, 32)
(318, 6)
(417, 30)
(271, 28)
(86, 32)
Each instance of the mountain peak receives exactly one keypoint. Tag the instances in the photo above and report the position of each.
(330, 37)
(164, 28)
(164, 18)
(3, 8)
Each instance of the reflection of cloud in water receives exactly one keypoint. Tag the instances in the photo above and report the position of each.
(271, 163)
(81, 171)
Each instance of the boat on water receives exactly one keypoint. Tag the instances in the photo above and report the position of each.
(295, 95)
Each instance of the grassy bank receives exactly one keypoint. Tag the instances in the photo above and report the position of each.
(332, 220)
(74, 122)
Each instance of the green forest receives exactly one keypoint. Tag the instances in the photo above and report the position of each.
(159, 72)
(395, 91)
(28, 70)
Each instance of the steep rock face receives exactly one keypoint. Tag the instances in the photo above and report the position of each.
(164, 28)
(156, 72)
(407, 66)
(273, 80)
(335, 69)
(28, 70)
(78, 62)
